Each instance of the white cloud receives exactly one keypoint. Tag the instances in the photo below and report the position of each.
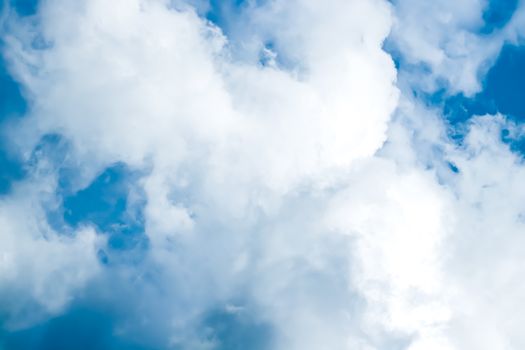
(227, 141)
(41, 270)
(269, 188)
(485, 258)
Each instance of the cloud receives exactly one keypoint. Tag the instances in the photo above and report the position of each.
(41, 269)
(225, 142)
(289, 186)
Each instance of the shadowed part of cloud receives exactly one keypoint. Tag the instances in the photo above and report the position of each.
(236, 331)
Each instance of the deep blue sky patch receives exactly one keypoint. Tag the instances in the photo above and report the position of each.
(104, 203)
(497, 14)
(12, 105)
(81, 328)
(25, 7)
(505, 83)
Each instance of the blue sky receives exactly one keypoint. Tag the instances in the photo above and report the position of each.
(163, 205)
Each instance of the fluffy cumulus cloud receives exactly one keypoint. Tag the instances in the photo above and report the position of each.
(259, 175)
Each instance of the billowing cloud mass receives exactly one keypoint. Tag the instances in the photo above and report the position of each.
(260, 175)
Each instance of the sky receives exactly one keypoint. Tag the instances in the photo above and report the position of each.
(262, 174)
